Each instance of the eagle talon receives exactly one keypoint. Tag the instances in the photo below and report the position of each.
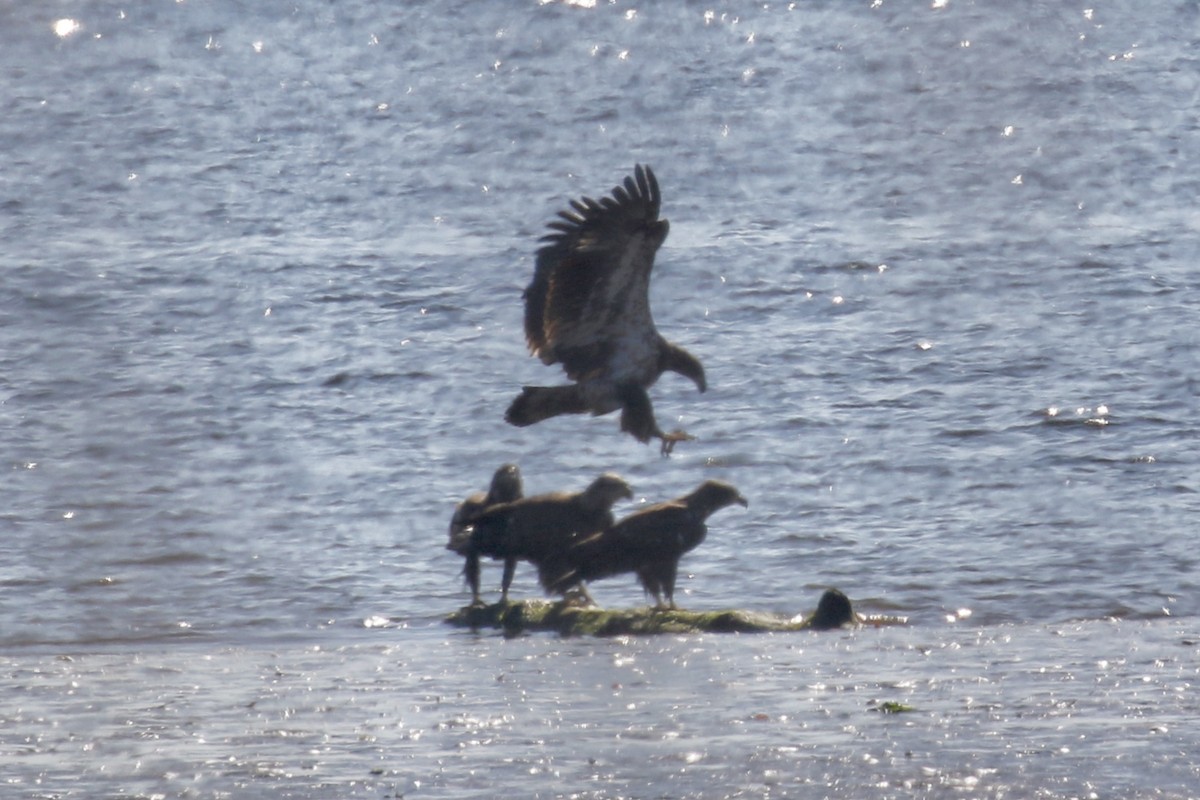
(669, 440)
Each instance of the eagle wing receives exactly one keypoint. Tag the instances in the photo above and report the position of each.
(460, 523)
(589, 298)
(658, 532)
(645, 538)
(662, 535)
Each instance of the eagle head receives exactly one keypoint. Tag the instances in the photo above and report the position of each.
(606, 490)
(713, 495)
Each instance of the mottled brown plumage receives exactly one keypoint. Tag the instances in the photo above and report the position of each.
(542, 528)
(588, 308)
(648, 542)
(505, 487)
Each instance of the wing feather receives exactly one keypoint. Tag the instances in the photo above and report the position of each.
(590, 290)
(658, 529)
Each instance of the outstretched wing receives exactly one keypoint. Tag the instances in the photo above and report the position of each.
(591, 283)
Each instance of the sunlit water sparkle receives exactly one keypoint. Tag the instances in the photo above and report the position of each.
(262, 317)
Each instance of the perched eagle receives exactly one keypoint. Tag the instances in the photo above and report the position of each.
(541, 529)
(648, 542)
(588, 308)
(505, 488)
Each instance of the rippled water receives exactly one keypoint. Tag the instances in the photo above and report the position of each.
(262, 317)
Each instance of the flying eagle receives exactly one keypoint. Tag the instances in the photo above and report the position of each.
(588, 308)
(505, 488)
(648, 542)
(541, 529)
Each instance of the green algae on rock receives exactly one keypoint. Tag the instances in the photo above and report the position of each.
(893, 707)
(569, 619)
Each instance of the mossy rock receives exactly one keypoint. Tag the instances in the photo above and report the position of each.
(893, 707)
(569, 619)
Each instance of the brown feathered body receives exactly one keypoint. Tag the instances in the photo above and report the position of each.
(649, 542)
(505, 487)
(542, 529)
(588, 309)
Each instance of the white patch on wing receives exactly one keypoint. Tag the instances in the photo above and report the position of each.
(635, 357)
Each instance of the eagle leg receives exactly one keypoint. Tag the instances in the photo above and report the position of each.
(668, 584)
(471, 571)
(637, 418)
(510, 568)
(637, 414)
(670, 439)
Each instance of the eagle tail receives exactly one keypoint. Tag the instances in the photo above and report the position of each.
(557, 576)
(460, 540)
(536, 403)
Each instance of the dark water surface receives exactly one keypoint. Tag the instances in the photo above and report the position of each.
(262, 271)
